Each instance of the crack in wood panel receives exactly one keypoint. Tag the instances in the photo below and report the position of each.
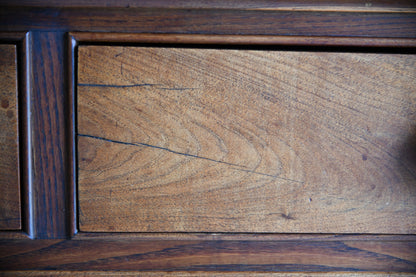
(336, 128)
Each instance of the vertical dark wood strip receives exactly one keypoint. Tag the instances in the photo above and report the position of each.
(72, 185)
(24, 68)
(48, 134)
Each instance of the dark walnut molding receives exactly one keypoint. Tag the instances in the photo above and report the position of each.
(47, 35)
(295, 5)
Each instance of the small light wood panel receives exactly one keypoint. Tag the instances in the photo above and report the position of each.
(10, 216)
(232, 140)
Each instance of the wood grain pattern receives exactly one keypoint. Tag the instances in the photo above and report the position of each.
(208, 256)
(294, 5)
(49, 111)
(10, 208)
(198, 274)
(211, 21)
(49, 132)
(243, 236)
(128, 38)
(208, 140)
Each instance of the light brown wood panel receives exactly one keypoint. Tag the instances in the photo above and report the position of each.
(9, 153)
(226, 140)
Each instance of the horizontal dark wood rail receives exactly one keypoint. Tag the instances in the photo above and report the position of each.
(245, 40)
(167, 255)
(211, 21)
(297, 5)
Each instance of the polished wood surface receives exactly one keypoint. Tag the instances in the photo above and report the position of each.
(403, 44)
(211, 21)
(10, 215)
(294, 5)
(223, 140)
(198, 274)
(47, 107)
(47, 75)
(209, 256)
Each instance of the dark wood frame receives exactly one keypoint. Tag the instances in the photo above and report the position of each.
(47, 122)
(21, 41)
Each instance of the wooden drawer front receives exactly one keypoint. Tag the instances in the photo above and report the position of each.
(226, 140)
(9, 154)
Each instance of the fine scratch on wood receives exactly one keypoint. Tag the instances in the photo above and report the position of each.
(117, 86)
(158, 86)
(178, 88)
(140, 144)
(287, 216)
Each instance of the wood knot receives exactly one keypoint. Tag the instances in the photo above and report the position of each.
(4, 103)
